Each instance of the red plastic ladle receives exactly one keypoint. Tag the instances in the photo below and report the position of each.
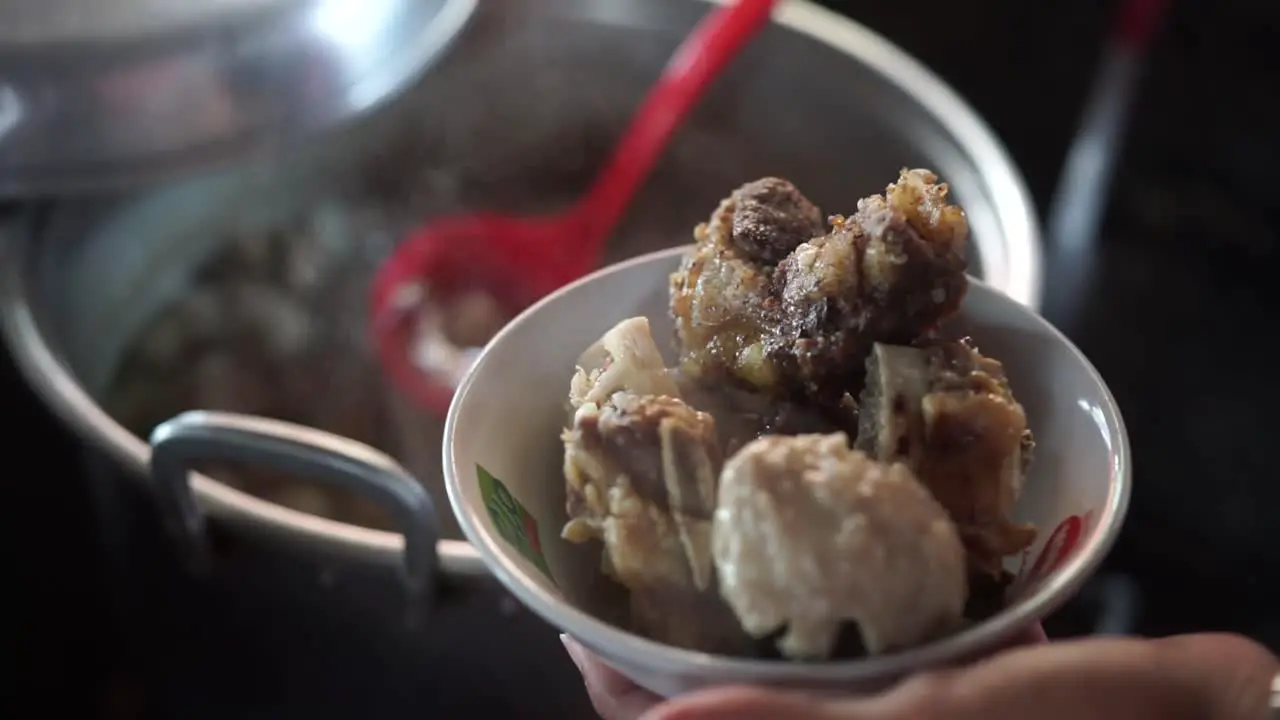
(518, 260)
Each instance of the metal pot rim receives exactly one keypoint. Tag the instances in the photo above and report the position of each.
(1017, 271)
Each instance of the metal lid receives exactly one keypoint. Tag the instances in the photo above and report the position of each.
(109, 91)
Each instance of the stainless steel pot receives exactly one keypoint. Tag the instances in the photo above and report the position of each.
(110, 91)
(819, 99)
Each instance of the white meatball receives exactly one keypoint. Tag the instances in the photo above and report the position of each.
(810, 534)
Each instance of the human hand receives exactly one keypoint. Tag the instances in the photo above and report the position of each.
(1200, 677)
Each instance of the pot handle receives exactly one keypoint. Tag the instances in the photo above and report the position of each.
(10, 109)
(288, 448)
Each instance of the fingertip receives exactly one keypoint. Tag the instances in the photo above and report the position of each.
(575, 652)
(601, 677)
(614, 696)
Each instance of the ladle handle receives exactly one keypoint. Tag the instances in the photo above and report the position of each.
(310, 454)
(698, 61)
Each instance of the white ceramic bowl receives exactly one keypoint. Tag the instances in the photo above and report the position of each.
(502, 466)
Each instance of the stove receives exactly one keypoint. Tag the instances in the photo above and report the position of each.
(1169, 312)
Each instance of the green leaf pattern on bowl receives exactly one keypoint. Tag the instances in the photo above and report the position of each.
(513, 522)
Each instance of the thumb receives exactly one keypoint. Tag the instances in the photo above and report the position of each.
(1197, 677)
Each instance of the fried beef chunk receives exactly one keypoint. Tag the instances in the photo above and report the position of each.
(948, 413)
(771, 218)
(640, 474)
(723, 305)
(759, 303)
(810, 534)
(742, 415)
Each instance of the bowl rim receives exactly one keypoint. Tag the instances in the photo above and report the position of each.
(615, 642)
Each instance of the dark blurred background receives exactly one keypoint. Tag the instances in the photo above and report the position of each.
(1178, 280)
(1171, 315)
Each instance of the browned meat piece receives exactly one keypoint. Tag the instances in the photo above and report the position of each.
(655, 451)
(948, 413)
(804, 326)
(771, 218)
(723, 307)
(640, 474)
(743, 415)
(810, 534)
(892, 272)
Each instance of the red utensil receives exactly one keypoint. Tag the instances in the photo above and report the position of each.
(518, 260)
(1080, 200)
